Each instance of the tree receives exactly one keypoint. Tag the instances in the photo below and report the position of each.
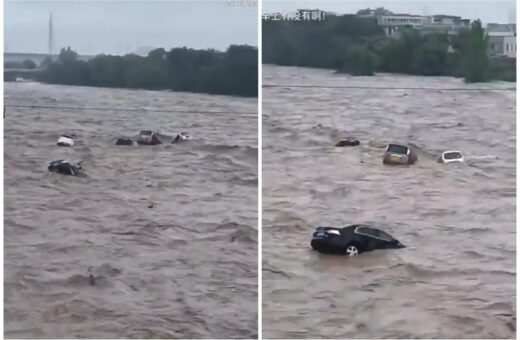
(475, 56)
(29, 64)
(234, 72)
(46, 62)
(429, 57)
(159, 54)
(67, 55)
(359, 61)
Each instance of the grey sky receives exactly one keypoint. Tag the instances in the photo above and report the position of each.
(486, 11)
(118, 27)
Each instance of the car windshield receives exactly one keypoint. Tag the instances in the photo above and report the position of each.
(452, 155)
(146, 133)
(397, 149)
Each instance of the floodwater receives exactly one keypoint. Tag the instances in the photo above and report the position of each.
(456, 278)
(169, 232)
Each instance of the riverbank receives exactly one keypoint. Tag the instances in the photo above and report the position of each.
(358, 46)
(233, 72)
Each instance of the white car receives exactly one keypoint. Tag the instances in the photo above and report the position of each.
(65, 141)
(451, 157)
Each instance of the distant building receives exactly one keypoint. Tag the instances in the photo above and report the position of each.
(501, 39)
(402, 20)
(450, 20)
(494, 29)
(394, 25)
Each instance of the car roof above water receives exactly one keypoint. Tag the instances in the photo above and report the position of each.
(397, 148)
(458, 154)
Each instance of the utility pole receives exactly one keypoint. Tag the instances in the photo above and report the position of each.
(51, 36)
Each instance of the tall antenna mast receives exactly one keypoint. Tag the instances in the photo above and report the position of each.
(51, 36)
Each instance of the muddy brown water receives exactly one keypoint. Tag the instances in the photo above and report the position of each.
(456, 278)
(169, 232)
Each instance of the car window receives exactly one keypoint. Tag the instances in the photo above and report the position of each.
(452, 155)
(397, 149)
(385, 236)
(146, 133)
(367, 231)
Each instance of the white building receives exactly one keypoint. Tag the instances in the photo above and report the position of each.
(395, 24)
(501, 40)
(502, 46)
(510, 46)
(402, 20)
(451, 20)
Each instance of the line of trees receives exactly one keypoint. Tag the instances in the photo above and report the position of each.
(234, 72)
(27, 64)
(358, 46)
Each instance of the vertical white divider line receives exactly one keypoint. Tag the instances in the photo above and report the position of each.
(517, 191)
(259, 6)
(6, 114)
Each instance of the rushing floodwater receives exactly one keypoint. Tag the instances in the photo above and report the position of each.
(456, 279)
(168, 231)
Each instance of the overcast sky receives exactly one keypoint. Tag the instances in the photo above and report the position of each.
(118, 27)
(486, 11)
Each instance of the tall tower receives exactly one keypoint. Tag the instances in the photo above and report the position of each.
(51, 36)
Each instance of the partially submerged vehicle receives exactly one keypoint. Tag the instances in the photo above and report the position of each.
(347, 142)
(124, 141)
(147, 137)
(65, 167)
(181, 137)
(352, 240)
(65, 140)
(399, 154)
(451, 157)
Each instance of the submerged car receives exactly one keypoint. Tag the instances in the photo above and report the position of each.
(352, 240)
(65, 167)
(399, 154)
(451, 157)
(347, 142)
(65, 140)
(124, 141)
(181, 137)
(147, 137)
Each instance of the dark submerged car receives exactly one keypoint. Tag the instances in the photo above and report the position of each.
(65, 167)
(399, 154)
(124, 141)
(352, 240)
(347, 142)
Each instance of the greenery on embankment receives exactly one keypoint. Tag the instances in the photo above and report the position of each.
(26, 65)
(358, 46)
(234, 72)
